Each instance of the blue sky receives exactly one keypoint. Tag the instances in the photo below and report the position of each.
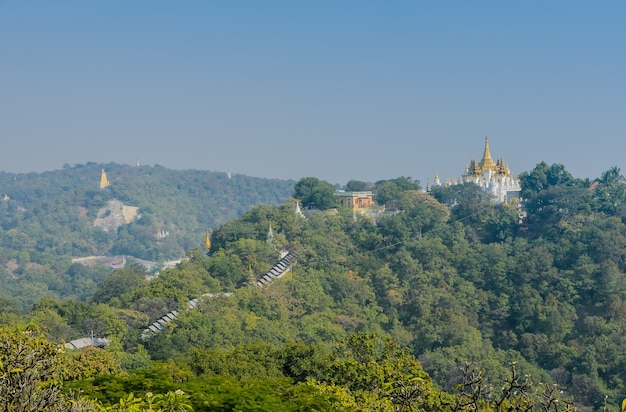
(338, 90)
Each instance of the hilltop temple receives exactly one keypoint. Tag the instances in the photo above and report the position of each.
(492, 176)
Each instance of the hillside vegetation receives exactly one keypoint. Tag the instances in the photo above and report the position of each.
(46, 219)
(501, 315)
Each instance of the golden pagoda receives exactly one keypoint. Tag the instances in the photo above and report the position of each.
(487, 162)
(207, 241)
(104, 182)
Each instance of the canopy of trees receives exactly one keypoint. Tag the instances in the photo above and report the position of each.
(435, 305)
(47, 219)
(315, 193)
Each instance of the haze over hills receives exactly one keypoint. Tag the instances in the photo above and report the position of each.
(147, 212)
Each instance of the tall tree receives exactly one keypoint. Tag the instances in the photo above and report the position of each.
(610, 191)
(313, 192)
(387, 191)
(356, 185)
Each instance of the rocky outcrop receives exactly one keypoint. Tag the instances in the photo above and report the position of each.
(115, 214)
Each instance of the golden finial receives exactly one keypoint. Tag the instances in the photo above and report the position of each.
(487, 162)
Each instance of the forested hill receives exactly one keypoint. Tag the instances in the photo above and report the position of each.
(48, 218)
(453, 285)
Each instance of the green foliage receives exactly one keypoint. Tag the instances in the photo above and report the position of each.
(483, 221)
(610, 192)
(387, 191)
(118, 283)
(420, 214)
(553, 198)
(357, 186)
(376, 370)
(30, 371)
(453, 277)
(172, 401)
(90, 362)
(465, 285)
(364, 372)
(315, 193)
(49, 219)
(544, 176)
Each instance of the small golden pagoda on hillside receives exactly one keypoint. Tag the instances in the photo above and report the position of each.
(207, 241)
(104, 182)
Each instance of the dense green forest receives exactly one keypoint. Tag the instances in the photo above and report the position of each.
(424, 307)
(46, 219)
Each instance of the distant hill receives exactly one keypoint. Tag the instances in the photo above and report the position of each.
(147, 212)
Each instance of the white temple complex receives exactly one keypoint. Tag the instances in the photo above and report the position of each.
(491, 176)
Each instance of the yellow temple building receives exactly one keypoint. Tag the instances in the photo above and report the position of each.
(491, 176)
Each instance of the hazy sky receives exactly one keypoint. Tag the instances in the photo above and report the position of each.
(339, 90)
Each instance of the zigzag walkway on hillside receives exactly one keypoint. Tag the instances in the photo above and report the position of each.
(283, 266)
(169, 317)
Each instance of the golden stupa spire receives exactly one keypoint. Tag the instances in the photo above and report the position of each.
(487, 162)
(207, 241)
(104, 182)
